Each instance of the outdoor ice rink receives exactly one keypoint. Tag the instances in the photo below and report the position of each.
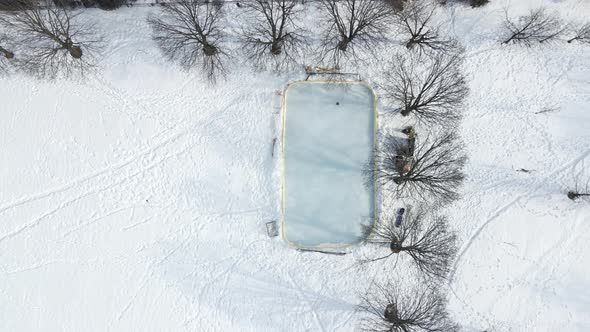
(328, 140)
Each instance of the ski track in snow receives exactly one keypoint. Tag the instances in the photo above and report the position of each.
(117, 168)
(465, 248)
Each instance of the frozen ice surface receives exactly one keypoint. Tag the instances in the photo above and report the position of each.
(328, 139)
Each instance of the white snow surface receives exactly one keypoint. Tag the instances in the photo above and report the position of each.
(328, 140)
(135, 199)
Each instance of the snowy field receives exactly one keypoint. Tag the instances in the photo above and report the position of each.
(135, 199)
(328, 139)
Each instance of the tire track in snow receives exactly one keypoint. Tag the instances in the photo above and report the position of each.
(148, 274)
(505, 208)
(304, 298)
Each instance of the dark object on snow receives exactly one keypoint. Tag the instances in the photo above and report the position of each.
(478, 3)
(272, 229)
(399, 217)
(110, 4)
(274, 143)
(322, 251)
(575, 195)
(407, 130)
(337, 103)
(411, 140)
(582, 34)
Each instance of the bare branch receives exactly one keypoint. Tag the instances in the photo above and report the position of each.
(352, 26)
(273, 39)
(434, 172)
(426, 239)
(6, 53)
(434, 96)
(537, 26)
(414, 22)
(389, 308)
(55, 42)
(189, 32)
(579, 190)
(582, 34)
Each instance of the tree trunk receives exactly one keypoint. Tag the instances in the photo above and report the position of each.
(391, 314)
(210, 50)
(407, 110)
(395, 246)
(7, 53)
(343, 44)
(75, 52)
(275, 48)
(574, 195)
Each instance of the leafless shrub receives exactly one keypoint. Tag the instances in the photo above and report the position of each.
(582, 34)
(54, 41)
(189, 32)
(433, 173)
(537, 26)
(414, 22)
(390, 308)
(434, 96)
(272, 38)
(424, 237)
(351, 26)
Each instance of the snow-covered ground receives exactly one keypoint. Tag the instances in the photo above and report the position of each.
(135, 200)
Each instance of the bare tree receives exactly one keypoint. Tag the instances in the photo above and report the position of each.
(353, 25)
(272, 37)
(5, 53)
(582, 34)
(389, 308)
(414, 22)
(189, 32)
(537, 26)
(424, 237)
(54, 40)
(434, 172)
(578, 190)
(434, 96)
